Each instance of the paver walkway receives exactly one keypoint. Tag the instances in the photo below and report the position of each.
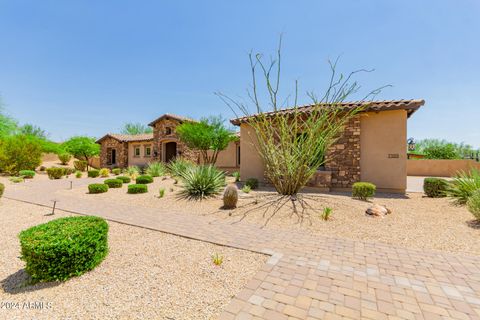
(308, 276)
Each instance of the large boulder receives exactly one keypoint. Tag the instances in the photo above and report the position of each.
(377, 211)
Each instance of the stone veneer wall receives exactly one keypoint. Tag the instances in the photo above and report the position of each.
(122, 152)
(160, 136)
(343, 158)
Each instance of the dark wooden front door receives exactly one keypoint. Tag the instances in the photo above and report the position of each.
(114, 156)
(170, 151)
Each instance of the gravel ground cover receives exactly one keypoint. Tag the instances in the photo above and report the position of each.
(416, 221)
(147, 275)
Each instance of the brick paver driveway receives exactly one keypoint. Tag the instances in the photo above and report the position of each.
(308, 276)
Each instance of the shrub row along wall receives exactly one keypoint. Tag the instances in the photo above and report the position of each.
(439, 168)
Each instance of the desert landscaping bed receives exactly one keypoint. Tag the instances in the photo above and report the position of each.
(147, 275)
(416, 221)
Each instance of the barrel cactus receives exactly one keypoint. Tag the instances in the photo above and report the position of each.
(230, 197)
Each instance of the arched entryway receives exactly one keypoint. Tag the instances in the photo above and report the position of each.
(170, 151)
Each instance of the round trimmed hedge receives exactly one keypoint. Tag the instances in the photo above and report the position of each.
(137, 188)
(145, 179)
(97, 188)
(55, 173)
(27, 174)
(113, 183)
(93, 173)
(435, 187)
(124, 179)
(363, 190)
(64, 248)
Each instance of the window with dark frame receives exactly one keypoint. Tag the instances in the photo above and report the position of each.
(136, 151)
(168, 131)
(148, 151)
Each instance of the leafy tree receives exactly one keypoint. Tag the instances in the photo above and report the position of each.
(135, 128)
(82, 147)
(8, 125)
(443, 149)
(19, 152)
(34, 131)
(209, 136)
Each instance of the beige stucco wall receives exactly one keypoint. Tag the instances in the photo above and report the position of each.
(227, 159)
(383, 159)
(142, 160)
(251, 164)
(439, 168)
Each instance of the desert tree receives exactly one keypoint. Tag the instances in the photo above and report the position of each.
(135, 128)
(82, 147)
(293, 142)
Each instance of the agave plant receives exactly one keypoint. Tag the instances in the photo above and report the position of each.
(200, 182)
(178, 167)
(463, 186)
(132, 172)
(156, 169)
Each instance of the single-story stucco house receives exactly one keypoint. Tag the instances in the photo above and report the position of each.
(372, 147)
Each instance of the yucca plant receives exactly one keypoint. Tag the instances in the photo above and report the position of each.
(178, 167)
(132, 172)
(200, 182)
(463, 186)
(156, 169)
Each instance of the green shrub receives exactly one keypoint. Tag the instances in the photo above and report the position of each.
(202, 181)
(2, 189)
(93, 173)
(236, 175)
(113, 183)
(19, 152)
(246, 189)
(473, 204)
(161, 193)
(144, 179)
(252, 183)
(327, 212)
(104, 172)
(124, 179)
(137, 188)
(16, 179)
(463, 186)
(363, 190)
(132, 171)
(97, 188)
(80, 165)
(435, 187)
(55, 173)
(156, 169)
(78, 174)
(64, 248)
(116, 171)
(28, 174)
(69, 171)
(64, 158)
(179, 166)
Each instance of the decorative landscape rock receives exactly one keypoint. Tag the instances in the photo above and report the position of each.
(377, 211)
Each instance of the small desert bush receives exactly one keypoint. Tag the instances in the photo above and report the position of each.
(69, 171)
(252, 183)
(113, 183)
(145, 179)
(202, 181)
(28, 174)
(97, 188)
(246, 189)
(132, 172)
(64, 248)
(161, 192)
(2, 189)
(156, 169)
(179, 166)
(137, 188)
(124, 179)
(116, 171)
(93, 173)
(236, 175)
(230, 197)
(64, 158)
(473, 204)
(435, 187)
(16, 179)
(463, 186)
(55, 173)
(217, 259)
(363, 190)
(327, 212)
(78, 174)
(104, 172)
(80, 165)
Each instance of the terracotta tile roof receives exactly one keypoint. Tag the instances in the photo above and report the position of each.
(409, 105)
(128, 137)
(171, 116)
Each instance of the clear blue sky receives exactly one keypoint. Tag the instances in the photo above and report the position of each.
(87, 67)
